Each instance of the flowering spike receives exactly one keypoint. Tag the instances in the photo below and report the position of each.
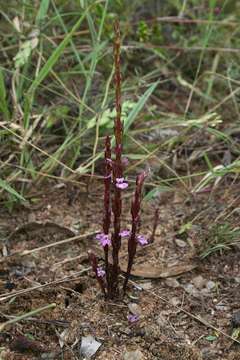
(93, 261)
(114, 175)
(107, 201)
(135, 211)
(117, 168)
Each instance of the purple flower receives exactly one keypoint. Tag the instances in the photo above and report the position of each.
(142, 240)
(133, 318)
(122, 186)
(121, 183)
(120, 180)
(124, 233)
(100, 272)
(103, 239)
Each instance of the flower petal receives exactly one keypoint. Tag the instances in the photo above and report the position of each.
(124, 233)
(122, 186)
(133, 318)
(100, 272)
(142, 240)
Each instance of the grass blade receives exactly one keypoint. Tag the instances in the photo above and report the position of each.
(42, 12)
(47, 67)
(4, 185)
(129, 121)
(3, 100)
(140, 104)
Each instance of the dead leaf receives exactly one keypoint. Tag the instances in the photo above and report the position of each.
(150, 272)
(36, 226)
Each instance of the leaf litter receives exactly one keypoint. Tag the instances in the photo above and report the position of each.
(81, 309)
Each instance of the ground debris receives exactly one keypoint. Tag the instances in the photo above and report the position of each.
(89, 346)
(24, 345)
(133, 355)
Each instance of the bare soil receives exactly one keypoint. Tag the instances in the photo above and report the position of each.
(186, 306)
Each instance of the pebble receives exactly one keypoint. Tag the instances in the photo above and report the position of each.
(162, 320)
(175, 301)
(180, 243)
(135, 309)
(199, 282)
(190, 289)
(171, 282)
(209, 353)
(210, 285)
(221, 307)
(146, 285)
(133, 355)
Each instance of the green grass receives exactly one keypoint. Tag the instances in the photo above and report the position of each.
(180, 72)
(220, 237)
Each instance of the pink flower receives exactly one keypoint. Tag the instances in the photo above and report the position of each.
(121, 183)
(120, 180)
(124, 233)
(133, 318)
(100, 272)
(103, 239)
(142, 240)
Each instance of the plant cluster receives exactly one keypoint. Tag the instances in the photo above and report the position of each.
(114, 184)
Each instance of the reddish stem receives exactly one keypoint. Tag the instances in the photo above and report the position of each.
(117, 168)
(155, 224)
(135, 211)
(93, 261)
(107, 203)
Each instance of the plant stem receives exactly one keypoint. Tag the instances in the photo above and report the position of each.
(93, 261)
(135, 211)
(117, 167)
(107, 202)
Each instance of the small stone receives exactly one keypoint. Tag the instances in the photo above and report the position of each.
(209, 353)
(221, 307)
(48, 356)
(146, 285)
(133, 355)
(175, 301)
(210, 285)
(135, 309)
(199, 282)
(162, 319)
(180, 243)
(32, 217)
(190, 289)
(171, 282)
